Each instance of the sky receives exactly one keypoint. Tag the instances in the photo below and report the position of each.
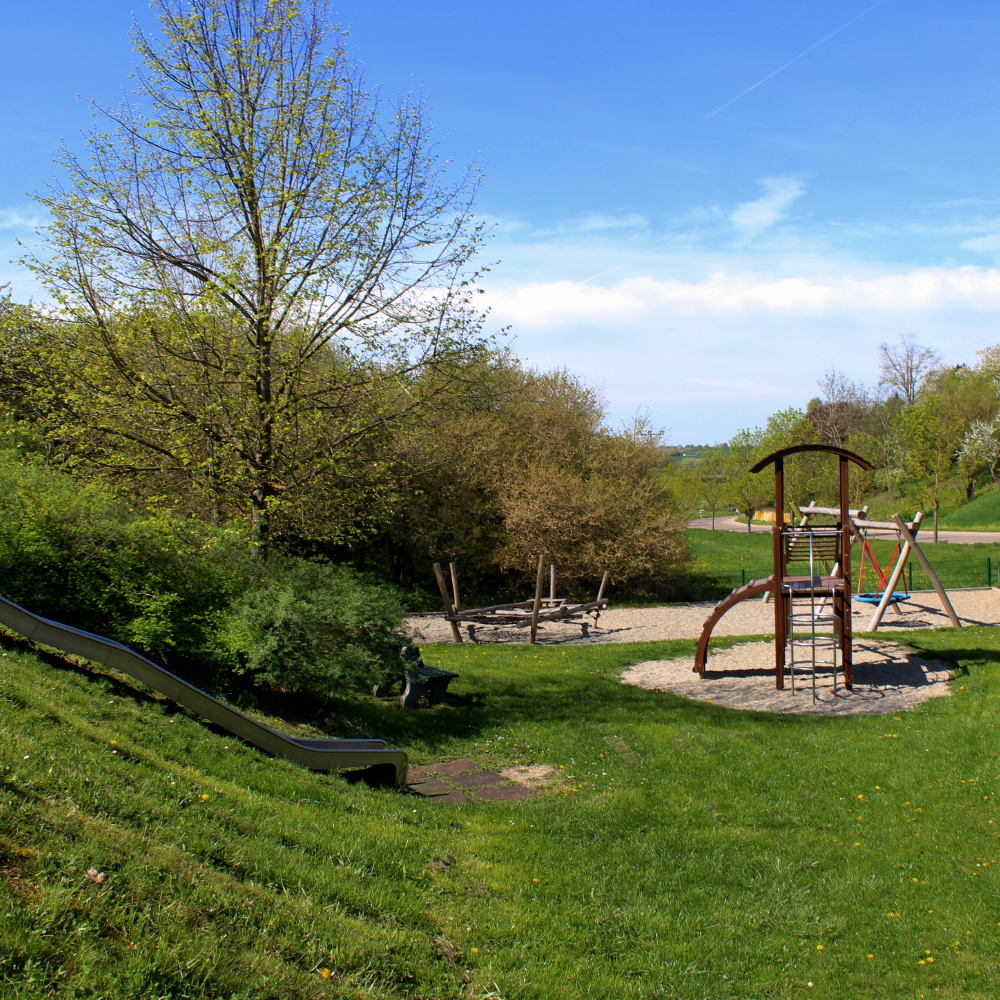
(698, 207)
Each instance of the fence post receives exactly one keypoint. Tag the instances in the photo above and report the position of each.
(910, 568)
(743, 573)
(989, 572)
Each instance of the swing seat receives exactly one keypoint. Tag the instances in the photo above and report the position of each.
(876, 598)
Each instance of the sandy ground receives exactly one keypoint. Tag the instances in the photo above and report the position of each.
(684, 621)
(887, 678)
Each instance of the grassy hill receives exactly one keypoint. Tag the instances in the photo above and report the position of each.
(982, 513)
(712, 853)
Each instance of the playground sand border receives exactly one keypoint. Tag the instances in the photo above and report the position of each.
(887, 678)
(684, 621)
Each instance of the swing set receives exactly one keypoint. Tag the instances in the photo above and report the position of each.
(906, 543)
(875, 597)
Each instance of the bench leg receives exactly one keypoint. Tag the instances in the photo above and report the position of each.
(438, 689)
(413, 692)
(384, 687)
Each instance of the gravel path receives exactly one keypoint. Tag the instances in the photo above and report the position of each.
(684, 621)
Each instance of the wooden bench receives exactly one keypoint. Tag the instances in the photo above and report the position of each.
(417, 679)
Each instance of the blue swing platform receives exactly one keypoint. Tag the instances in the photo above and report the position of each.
(876, 598)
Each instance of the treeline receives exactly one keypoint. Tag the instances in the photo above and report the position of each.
(931, 431)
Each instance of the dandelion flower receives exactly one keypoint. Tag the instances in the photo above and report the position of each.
(819, 947)
(205, 795)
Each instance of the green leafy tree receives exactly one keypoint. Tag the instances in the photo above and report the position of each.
(933, 430)
(747, 491)
(711, 469)
(260, 269)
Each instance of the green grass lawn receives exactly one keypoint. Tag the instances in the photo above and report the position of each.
(722, 559)
(725, 855)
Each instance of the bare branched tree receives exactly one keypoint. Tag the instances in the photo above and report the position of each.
(904, 368)
(844, 405)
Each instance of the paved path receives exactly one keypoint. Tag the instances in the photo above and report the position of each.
(725, 522)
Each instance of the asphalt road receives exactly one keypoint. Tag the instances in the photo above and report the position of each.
(726, 522)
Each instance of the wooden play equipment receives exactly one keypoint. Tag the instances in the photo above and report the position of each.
(519, 614)
(801, 602)
(906, 537)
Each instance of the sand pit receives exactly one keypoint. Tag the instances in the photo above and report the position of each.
(887, 678)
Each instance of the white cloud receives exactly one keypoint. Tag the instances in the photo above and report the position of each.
(983, 244)
(605, 222)
(753, 217)
(633, 299)
(13, 219)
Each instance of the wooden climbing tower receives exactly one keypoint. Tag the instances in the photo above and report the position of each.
(792, 546)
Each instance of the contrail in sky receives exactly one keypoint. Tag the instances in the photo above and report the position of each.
(816, 45)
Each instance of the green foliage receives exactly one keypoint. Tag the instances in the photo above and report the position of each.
(70, 551)
(684, 850)
(184, 593)
(522, 463)
(313, 627)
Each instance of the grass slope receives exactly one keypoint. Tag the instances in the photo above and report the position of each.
(712, 854)
(982, 514)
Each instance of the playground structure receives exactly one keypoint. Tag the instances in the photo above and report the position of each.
(820, 600)
(519, 614)
(796, 610)
(316, 754)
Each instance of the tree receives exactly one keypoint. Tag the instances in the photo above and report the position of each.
(259, 270)
(933, 430)
(842, 409)
(711, 474)
(981, 446)
(746, 490)
(904, 368)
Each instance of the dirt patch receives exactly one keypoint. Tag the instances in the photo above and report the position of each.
(531, 775)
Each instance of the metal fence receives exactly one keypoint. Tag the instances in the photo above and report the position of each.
(970, 573)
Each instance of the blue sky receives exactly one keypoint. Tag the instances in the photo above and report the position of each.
(705, 267)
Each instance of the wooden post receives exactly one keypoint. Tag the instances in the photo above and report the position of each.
(604, 582)
(905, 532)
(897, 572)
(538, 597)
(552, 581)
(448, 609)
(780, 624)
(846, 634)
(456, 602)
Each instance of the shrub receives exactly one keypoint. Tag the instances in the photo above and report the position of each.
(185, 593)
(311, 627)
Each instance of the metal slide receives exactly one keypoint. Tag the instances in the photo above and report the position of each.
(318, 755)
